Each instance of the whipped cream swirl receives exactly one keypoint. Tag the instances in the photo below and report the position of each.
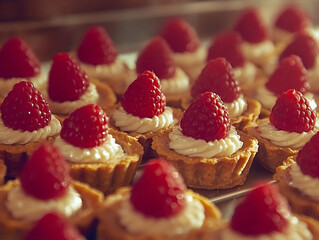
(257, 52)
(237, 107)
(129, 123)
(188, 59)
(109, 151)
(11, 136)
(192, 217)
(304, 183)
(179, 83)
(191, 147)
(245, 74)
(27, 208)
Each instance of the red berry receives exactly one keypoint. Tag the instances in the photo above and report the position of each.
(67, 81)
(46, 174)
(17, 60)
(227, 45)
(217, 77)
(96, 47)
(157, 57)
(180, 36)
(53, 226)
(292, 113)
(144, 97)
(263, 211)
(308, 157)
(251, 27)
(24, 108)
(293, 19)
(206, 118)
(290, 74)
(86, 127)
(304, 46)
(159, 192)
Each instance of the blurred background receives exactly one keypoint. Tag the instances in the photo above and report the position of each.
(55, 26)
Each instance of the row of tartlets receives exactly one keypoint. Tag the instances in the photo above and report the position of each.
(80, 133)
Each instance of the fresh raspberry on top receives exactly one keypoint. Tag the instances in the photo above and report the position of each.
(206, 118)
(293, 19)
(251, 26)
(263, 211)
(308, 157)
(227, 45)
(159, 192)
(67, 81)
(304, 46)
(46, 174)
(217, 76)
(292, 113)
(157, 57)
(25, 109)
(180, 36)
(96, 47)
(17, 60)
(86, 127)
(53, 226)
(290, 74)
(144, 97)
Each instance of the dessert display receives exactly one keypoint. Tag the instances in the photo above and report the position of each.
(290, 74)
(291, 124)
(207, 151)
(26, 122)
(183, 40)
(265, 214)
(143, 113)
(70, 88)
(158, 206)
(158, 57)
(103, 158)
(298, 177)
(18, 62)
(218, 77)
(44, 186)
(99, 59)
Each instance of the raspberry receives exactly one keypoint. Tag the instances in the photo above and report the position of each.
(157, 57)
(159, 192)
(290, 74)
(304, 46)
(86, 127)
(96, 47)
(180, 36)
(17, 60)
(53, 226)
(251, 27)
(24, 108)
(144, 97)
(292, 113)
(308, 157)
(206, 118)
(293, 19)
(217, 77)
(227, 45)
(46, 174)
(263, 211)
(67, 81)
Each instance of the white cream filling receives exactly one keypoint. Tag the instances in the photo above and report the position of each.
(109, 151)
(11, 136)
(297, 230)
(313, 76)
(191, 147)
(237, 107)
(192, 217)
(187, 60)
(258, 52)
(89, 97)
(284, 138)
(246, 74)
(304, 183)
(179, 83)
(129, 123)
(27, 208)
(282, 36)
